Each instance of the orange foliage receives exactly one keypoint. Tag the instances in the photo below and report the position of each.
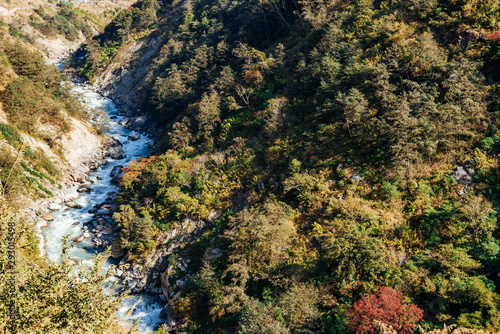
(494, 36)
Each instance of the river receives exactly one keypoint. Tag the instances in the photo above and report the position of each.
(146, 310)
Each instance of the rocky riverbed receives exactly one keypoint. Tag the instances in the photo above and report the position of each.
(84, 207)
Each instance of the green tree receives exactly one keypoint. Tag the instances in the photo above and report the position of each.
(208, 116)
(355, 108)
(180, 137)
(275, 115)
(260, 237)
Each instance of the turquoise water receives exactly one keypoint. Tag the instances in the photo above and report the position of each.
(147, 310)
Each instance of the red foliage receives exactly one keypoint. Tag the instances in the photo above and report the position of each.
(494, 36)
(385, 306)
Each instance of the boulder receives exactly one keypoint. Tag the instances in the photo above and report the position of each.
(112, 142)
(138, 123)
(464, 175)
(116, 174)
(116, 153)
(357, 177)
(54, 207)
(134, 136)
(116, 170)
(213, 216)
(117, 253)
(116, 179)
(73, 261)
(101, 162)
(85, 184)
(124, 121)
(78, 239)
(70, 194)
(107, 230)
(84, 190)
(180, 283)
(47, 217)
(73, 205)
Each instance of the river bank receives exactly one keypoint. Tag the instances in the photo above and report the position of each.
(84, 207)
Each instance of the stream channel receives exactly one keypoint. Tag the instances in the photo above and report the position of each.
(145, 310)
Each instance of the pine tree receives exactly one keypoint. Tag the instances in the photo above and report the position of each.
(180, 136)
(208, 116)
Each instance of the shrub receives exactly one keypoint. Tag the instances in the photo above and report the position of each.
(10, 134)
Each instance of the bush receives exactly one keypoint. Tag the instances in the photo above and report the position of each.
(11, 134)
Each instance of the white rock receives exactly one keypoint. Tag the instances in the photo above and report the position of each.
(73, 205)
(357, 177)
(78, 239)
(54, 207)
(70, 194)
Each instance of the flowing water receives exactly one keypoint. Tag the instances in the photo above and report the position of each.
(146, 310)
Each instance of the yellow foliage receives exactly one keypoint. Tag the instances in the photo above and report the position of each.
(483, 160)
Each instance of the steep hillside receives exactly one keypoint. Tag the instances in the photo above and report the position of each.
(37, 109)
(45, 134)
(42, 120)
(326, 166)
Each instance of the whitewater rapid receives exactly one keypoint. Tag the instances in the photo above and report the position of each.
(146, 310)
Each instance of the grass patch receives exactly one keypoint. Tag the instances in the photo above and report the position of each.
(40, 175)
(39, 159)
(40, 186)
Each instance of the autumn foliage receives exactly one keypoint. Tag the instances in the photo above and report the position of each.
(494, 36)
(386, 307)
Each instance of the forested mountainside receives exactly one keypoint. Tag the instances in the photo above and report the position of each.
(342, 156)
(41, 124)
(39, 115)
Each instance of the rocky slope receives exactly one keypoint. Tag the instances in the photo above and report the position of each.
(121, 79)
